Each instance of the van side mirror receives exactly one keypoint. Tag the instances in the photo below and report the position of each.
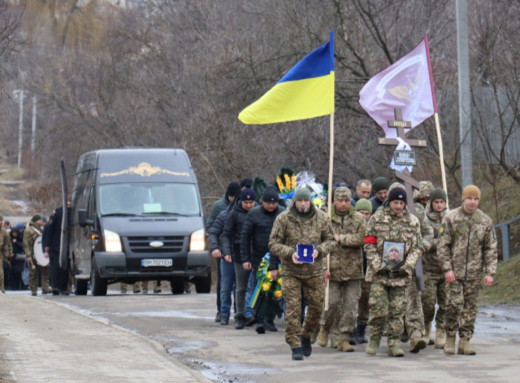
(82, 218)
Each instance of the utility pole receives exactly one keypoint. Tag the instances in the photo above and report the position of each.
(33, 125)
(466, 155)
(20, 94)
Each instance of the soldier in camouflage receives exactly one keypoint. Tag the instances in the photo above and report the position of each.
(6, 251)
(33, 231)
(421, 198)
(346, 271)
(397, 227)
(467, 251)
(302, 223)
(434, 282)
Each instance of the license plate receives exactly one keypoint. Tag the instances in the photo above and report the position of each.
(156, 262)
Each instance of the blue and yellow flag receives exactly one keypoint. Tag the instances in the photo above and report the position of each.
(306, 91)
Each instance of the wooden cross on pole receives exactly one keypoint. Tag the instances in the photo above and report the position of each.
(405, 176)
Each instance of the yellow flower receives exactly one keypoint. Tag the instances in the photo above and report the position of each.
(287, 181)
(279, 281)
(278, 294)
(269, 275)
(279, 183)
(266, 286)
(293, 181)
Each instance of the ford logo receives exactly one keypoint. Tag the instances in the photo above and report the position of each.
(156, 244)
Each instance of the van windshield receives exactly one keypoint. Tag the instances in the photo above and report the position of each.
(149, 199)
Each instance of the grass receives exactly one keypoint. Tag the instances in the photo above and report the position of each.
(506, 284)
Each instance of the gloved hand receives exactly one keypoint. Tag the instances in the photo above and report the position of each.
(383, 271)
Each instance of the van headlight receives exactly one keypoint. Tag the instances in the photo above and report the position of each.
(197, 241)
(112, 242)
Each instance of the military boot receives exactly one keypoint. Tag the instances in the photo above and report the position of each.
(417, 342)
(427, 338)
(306, 346)
(465, 348)
(373, 345)
(449, 346)
(323, 337)
(344, 344)
(361, 333)
(440, 338)
(334, 341)
(297, 353)
(395, 351)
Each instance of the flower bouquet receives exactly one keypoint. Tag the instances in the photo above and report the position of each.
(267, 296)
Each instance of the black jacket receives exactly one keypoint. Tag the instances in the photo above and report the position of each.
(233, 230)
(254, 243)
(52, 232)
(216, 230)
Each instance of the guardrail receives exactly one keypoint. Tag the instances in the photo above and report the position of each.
(505, 233)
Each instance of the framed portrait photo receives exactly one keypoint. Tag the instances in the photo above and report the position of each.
(393, 253)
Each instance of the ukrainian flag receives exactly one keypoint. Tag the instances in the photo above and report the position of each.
(306, 91)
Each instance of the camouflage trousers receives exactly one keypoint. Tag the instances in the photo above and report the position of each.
(414, 317)
(33, 277)
(461, 310)
(342, 313)
(362, 314)
(434, 292)
(387, 307)
(313, 290)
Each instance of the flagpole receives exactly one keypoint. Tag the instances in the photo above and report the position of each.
(441, 155)
(329, 199)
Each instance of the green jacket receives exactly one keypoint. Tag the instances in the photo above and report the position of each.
(430, 226)
(29, 237)
(346, 256)
(386, 225)
(468, 244)
(6, 248)
(290, 229)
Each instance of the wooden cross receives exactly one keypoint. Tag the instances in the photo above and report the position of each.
(405, 176)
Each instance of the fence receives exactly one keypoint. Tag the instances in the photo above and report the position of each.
(505, 231)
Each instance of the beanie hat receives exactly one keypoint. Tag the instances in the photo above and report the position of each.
(438, 194)
(246, 183)
(36, 218)
(233, 189)
(425, 189)
(302, 193)
(471, 191)
(380, 183)
(270, 195)
(397, 194)
(248, 195)
(342, 192)
(363, 204)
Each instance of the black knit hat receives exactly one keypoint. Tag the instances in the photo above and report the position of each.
(270, 195)
(233, 189)
(248, 194)
(246, 183)
(437, 194)
(397, 194)
(380, 183)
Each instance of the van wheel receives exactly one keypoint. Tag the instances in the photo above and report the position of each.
(202, 284)
(177, 285)
(98, 286)
(80, 286)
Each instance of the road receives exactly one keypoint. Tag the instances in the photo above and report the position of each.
(184, 326)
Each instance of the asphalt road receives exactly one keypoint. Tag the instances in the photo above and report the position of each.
(184, 325)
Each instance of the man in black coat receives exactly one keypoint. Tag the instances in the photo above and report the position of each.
(255, 243)
(51, 244)
(231, 246)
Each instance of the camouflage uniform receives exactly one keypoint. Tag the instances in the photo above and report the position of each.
(434, 281)
(290, 228)
(29, 237)
(6, 253)
(425, 188)
(346, 273)
(388, 291)
(468, 247)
